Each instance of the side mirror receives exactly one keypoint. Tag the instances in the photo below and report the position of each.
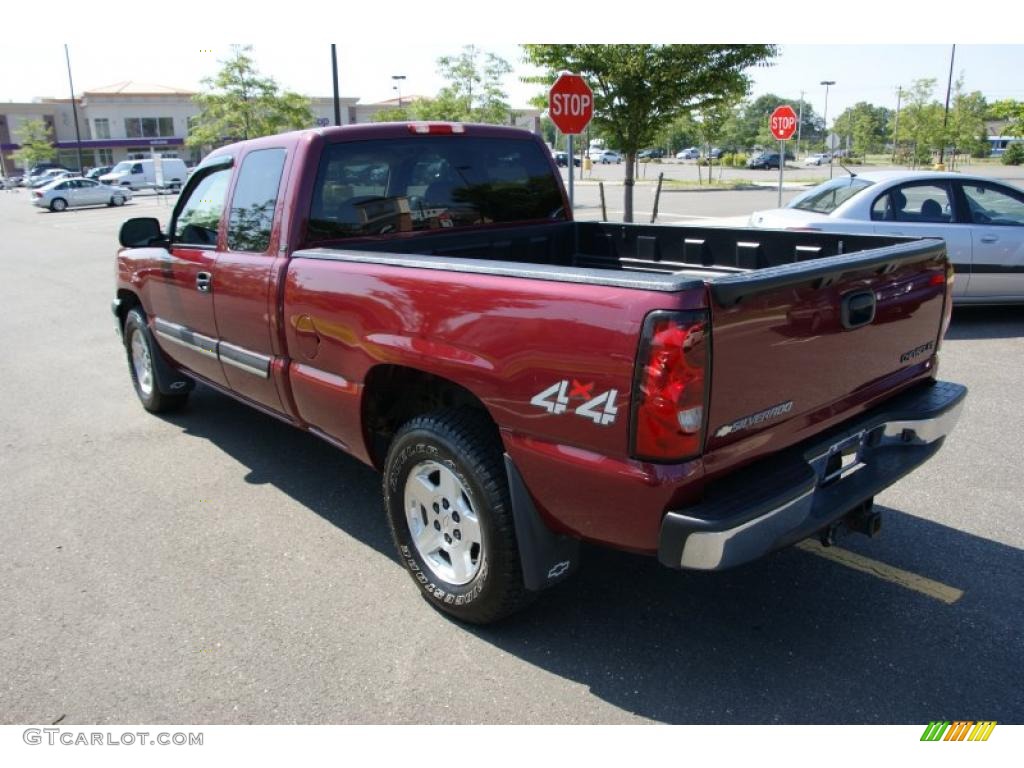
(140, 233)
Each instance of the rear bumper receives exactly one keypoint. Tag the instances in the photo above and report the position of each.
(788, 497)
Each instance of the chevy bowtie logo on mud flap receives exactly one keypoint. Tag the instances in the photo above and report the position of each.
(755, 418)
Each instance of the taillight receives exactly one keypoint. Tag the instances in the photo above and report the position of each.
(669, 388)
(437, 128)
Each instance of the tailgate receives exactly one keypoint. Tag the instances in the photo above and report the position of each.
(810, 343)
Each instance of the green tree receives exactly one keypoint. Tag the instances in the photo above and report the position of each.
(1010, 110)
(866, 125)
(239, 103)
(966, 131)
(750, 125)
(473, 94)
(640, 88)
(36, 142)
(921, 121)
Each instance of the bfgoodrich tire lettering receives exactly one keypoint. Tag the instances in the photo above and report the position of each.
(461, 446)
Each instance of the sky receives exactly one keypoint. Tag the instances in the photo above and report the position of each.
(862, 71)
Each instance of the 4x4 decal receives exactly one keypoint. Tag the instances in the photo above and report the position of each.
(556, 399)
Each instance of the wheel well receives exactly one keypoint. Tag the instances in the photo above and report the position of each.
(394, 394)
(128, 301)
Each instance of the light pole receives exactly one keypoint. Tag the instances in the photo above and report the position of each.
(74, 111)
(398, 87)
(827, 83)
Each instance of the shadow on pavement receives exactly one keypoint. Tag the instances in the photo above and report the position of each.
(987, 323)
(793, 638)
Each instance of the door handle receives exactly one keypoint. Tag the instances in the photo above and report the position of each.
(203, 282)
(989, 238)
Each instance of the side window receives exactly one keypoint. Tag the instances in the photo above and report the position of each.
(199, 215)
(921, 204)
(994, 206)
(63, 186)
(881, 210)
(252, 206)
(137, 168)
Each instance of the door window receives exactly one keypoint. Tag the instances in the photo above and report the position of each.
(199, 214)
(254, 200)
(916, 203)
(993, 206)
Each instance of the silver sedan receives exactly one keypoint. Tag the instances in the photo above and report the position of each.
(981, 220)
(73, 193)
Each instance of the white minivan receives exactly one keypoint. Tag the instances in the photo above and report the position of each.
(141, 174)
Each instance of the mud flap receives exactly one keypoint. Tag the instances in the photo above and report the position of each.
(547, 558)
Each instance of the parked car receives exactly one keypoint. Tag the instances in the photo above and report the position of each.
(76, 192)
(524, 381)
(142, 174)
(764, 160)
(95, 173)
(821, 158)
(38, 169)
(44, 178)
(691, 153)
(980, 220)
(562, 159)
(607, 156)
(716, 153)
(650, 154)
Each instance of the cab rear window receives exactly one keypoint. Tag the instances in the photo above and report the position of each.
(430, 183)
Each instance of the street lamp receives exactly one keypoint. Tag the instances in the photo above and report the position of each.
(398, 87)
(827, 83)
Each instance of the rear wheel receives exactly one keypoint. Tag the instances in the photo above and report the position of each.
(448, 508)
(58, 204)
(141, 365)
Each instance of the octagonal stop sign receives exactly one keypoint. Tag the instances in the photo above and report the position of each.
(783, 123)
(570, 103)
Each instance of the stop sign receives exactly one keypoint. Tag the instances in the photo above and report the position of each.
(783, 123)
(570, 103)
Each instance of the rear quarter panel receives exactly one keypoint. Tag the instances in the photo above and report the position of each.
(507, 340)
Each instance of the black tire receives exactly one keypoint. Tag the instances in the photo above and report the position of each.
(58, 204)
(147, 388)
(117, 200)
(466, 444)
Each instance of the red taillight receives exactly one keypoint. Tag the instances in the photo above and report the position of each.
(669, 387)
(37, 194)
(437, 128)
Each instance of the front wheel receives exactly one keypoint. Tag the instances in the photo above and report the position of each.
(141, 365)
(448, 508)
(117, 200)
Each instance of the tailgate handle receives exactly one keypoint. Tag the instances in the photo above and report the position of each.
(858, 309)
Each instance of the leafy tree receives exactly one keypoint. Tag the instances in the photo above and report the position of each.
(678, 134)
(921, 121)
(1011, 110)
(640, 88)
(966, 130)
(750, 125)
(239, 103)
(1014, 154)
(866, 125)
(473, 93)
(36, 143)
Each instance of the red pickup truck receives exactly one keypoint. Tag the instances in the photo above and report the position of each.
(419, 296)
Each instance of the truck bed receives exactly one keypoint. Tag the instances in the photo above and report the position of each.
(648, 257)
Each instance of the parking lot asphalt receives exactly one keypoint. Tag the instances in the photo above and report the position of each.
(217, 566)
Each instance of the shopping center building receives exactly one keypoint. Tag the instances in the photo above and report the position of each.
(128, 120)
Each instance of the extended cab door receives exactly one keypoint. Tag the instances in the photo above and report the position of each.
(245, 303)
(181, 288)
